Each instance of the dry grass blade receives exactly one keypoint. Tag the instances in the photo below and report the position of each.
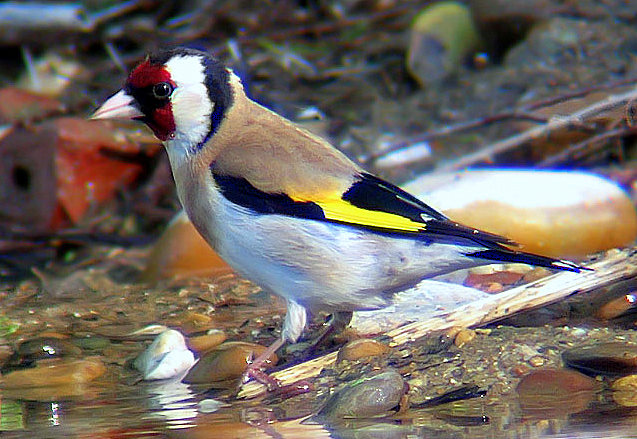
(613, 267)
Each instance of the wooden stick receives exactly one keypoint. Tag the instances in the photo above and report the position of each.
(614, 266)
(555, 124)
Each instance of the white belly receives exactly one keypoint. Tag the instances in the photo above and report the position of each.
(316, 264)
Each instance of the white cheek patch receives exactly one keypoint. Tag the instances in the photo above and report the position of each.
(191, 104)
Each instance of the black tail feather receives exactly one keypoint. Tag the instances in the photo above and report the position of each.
(505, 255)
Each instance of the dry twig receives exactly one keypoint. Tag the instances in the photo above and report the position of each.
(578, 118)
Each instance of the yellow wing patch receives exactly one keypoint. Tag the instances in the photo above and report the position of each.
(345, 212)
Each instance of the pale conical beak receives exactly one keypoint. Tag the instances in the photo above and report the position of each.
(119, 106)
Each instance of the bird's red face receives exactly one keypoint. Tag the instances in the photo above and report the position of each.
(151, 86)
(146, 96)
(181, 94)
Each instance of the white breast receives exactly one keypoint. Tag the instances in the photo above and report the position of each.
(316, 264)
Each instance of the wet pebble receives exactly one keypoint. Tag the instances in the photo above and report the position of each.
(30, 351)
(146, 331)
(625, 391)
(463, 337)
(191, 321)
(55, 373)
(460, 394)
(608, 359)
(537, 361)
(166, 357)
(361, 349)
(555, 392)
(206, 342)
(519, 370)
(92, 342)
(617, 306)
(226, 362)
(626, 383)
(367, 397)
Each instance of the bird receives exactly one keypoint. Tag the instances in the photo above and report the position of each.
(284, 207)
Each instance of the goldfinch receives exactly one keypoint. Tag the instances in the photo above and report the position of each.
(284, 207)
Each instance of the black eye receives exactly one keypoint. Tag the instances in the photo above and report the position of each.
(162, 90)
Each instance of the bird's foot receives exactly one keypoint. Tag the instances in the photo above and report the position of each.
(275, 387)
(255, 371)
(259, 375)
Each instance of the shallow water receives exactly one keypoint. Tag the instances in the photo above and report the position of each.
(173, 410)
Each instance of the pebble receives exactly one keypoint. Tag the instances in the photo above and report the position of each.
(227, 361)
(588, 214)
(520, 370)
(412, 159)
(203, 343)
(56, 372)
(181, 252)
(166, 357)
(537, 361)
(555, 392)
(626, 383)
(625, 391)
(30, 351)
(92, 342)
(463, 337)
(443, 36)
(367, 397)
(363, 348)
(608, 359)
(462, 393)
(625, 398)
(617, 306)
(145, 331)
(54, 73)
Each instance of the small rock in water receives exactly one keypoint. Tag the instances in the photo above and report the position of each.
(362, 348)
(92, 342)
(210, 340)
(555, 392)
(227, 362)
(617, 306)
(608, 359)
(166, 357)
(460, 394)
(149, 330)
(464, 336)
(368, 397)
(626, 383)
(625, 391)
(55, 373)
(40, 348)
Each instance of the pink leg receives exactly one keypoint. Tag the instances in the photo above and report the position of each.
(273, 385)
(255, 370)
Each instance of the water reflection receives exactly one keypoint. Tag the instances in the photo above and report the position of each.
(173, 402)
(174, 409)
